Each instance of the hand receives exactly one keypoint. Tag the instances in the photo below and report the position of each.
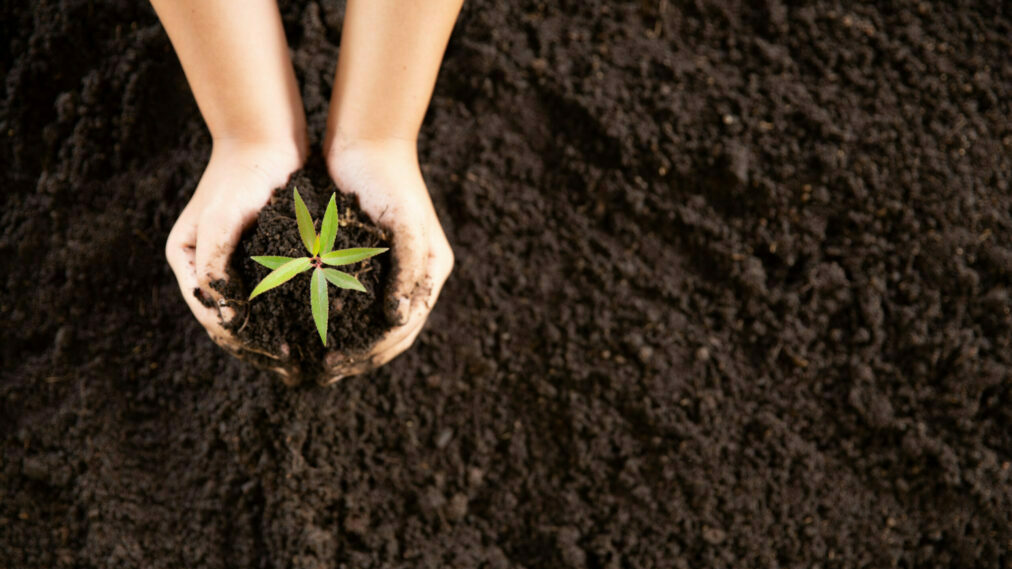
(385, 177)
(237, 183)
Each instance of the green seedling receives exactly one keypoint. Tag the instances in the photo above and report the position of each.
(320, 246)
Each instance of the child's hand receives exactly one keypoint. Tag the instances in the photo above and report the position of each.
(236, 184)
(388, 183)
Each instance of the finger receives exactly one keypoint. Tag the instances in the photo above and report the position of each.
(346, 370)
(180, 253)
(438, 264)
(217, 237)
(208, 317)
(401, 337)
(397, 335)
(411, 259)
(289, 376)
(442, 265)
(392, 352)
(341, 365)
(281, 365)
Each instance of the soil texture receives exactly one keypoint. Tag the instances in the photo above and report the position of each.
(733, 289)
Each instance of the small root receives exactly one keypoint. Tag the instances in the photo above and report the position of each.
(240, 303)
(244, 323)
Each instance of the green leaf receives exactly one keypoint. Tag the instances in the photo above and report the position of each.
(271, 262)
(349, 256)
(305, 221)
(316, 245)
(321, 305)
(328, 229)
(281, 275)
(342, 280)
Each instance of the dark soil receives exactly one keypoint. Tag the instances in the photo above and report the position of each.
(733, 289)
(280, 322)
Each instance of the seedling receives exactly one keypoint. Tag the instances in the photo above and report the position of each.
(320, 246)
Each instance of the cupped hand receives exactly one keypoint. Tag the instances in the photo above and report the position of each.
(386, 178)
(236, 185)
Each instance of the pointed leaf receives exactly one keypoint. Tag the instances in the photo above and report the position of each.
(271, 262)
(342, 280)
(281, 275)
(349, 256)
(305, 221)
(320, 303)
(328, 229)
(316, 245)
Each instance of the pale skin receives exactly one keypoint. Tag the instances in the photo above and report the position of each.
(237, 64)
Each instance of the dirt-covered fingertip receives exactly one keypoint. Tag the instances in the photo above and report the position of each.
(213, 300)
(340, 366)
(289, 377)
(398, 310)
(205, 299)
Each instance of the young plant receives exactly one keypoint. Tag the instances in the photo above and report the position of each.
(320, 246)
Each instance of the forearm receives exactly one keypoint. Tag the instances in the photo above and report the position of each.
(235, 57)
(390, 56)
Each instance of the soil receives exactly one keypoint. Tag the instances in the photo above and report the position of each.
(733, 289)
(280, 322)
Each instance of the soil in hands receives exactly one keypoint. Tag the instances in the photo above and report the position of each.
(280, 322)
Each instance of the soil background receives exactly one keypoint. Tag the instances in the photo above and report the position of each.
(733, 289)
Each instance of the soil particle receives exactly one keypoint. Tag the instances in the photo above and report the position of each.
(714, 536)
(457, 508)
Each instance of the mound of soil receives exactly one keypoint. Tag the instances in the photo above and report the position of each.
(280, 322)
(733, 289)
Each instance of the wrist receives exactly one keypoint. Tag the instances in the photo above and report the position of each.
(347, 156)
(386, 165)
(285, 155)
(342, 145)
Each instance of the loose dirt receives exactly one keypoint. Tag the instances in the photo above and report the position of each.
(733, 289)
